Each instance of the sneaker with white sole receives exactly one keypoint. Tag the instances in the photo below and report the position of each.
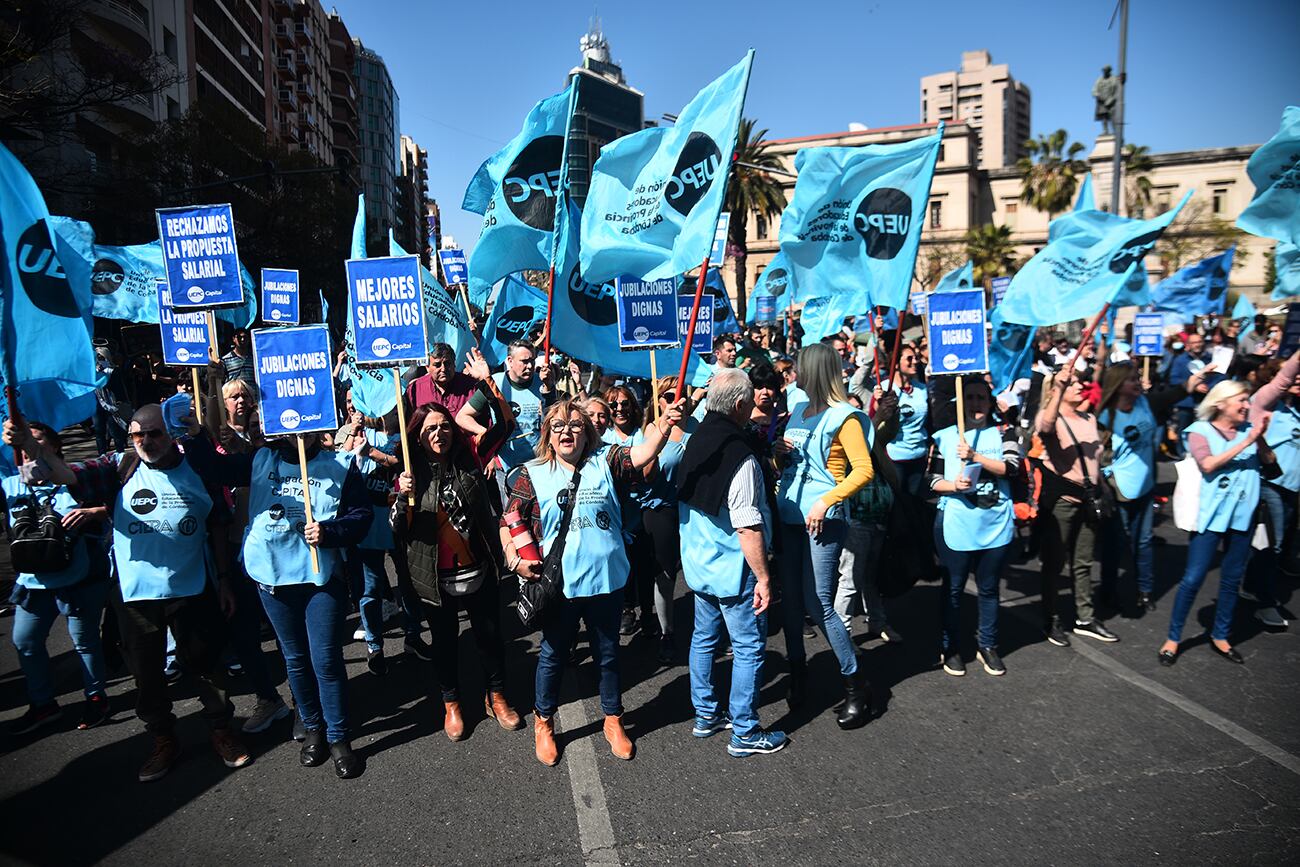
(359, 635)
(952, 662)
(266, 712)
(757, 744)
(1095, 629)
(707, 727)
(1056, 635)
(992, 662)
(1272, 618)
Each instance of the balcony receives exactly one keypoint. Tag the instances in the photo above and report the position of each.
(289, 132)
(305, 88)
(125, 20)
(285, 66)
(303, 61)
(303, 32)
(288, 99)
(284, 35)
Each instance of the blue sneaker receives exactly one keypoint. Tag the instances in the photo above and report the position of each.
(707, 727)
(760, 742)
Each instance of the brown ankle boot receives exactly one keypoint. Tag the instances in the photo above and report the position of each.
(544, 737)
(619, 743)
(453, 724)
(498, 709)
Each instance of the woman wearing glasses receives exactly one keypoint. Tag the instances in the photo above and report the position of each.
(595, 567)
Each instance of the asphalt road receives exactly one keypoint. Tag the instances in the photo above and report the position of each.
(1092, 754)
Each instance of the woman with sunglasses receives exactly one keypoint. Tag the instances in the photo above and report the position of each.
(454, 556)
(594, 563)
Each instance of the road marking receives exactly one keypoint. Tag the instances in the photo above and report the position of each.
(595, 831)
(1265, 748)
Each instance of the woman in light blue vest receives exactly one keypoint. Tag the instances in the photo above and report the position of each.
(1229, 453)
(825, 460)
(307, 606)
(910, 445)
(78, 592)
(975, 523)
(594, 563)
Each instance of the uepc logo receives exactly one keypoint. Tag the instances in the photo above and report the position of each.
(194, 293)
(594, 302)
(143, 501)
(882, 219)
(777, 281)
(42, 274)
(182, 354)
(533, 181)
(289, 419)
(515, 323)
(381, 347)
(694, 173)
(106, 277)
(1134, 251)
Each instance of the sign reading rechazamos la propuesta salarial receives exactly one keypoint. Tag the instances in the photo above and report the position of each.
(295, 379)
(184, 334)
(199, 253)
(387, 309)
(955, 322)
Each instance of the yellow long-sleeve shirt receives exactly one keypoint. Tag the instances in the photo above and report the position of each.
(849, 462)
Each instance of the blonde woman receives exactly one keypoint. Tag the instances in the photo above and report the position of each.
(1230, 453)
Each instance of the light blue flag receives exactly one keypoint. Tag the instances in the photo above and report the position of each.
(479, 291)
(444, 319)
(1084, 201)
(45, 304)
(1091, 258)
(1200, 289)
(584, 316)
(825, 315)
(774, 281)
(1011, 351)
(1286, 267)
(655, 195)
(1243, 310)
(856, 217)
(374, 392)
(516, 191)
(1274, 212)
(520, 309)
(957, 279)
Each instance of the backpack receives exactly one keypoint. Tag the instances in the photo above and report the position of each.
(38, 543)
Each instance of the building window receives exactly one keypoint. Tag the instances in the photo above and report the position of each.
(1010, 208)
(169, 45)
(760, 227)
(936, 215)
(173, 109)
(941, 153)
(1163, 200)
(1219, 197)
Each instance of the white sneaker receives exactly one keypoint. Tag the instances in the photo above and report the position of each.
(1247, 595)
(359, 635)
(1272, 618)
(266, 712)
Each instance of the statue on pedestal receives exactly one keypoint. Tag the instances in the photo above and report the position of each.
(1106, 92)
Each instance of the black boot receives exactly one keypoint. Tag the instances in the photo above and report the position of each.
(347, 764)
(798, 684)
(857, 703)
(314, 752)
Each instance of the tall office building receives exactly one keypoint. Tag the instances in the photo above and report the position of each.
(984, 96)
(343, 99)
(607, 108)
(301, 107)
(377, 108)
(412, 229)
(230, 64)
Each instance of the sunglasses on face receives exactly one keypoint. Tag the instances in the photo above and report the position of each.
(150, 433)
(572, 426)
(620, 403)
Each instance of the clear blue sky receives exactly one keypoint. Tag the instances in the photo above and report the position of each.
(1201, 73)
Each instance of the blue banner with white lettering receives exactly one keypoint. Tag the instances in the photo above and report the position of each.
(520, 310)
(200, 255)
(280, 296)
(1200, 289)
(764, 310)
(724, 316)
(917, 302)
(856, 216)
(718, 252)
(1286, 269)
(655, 196)
(295, 380)
(185, 335)
(998, 287)
(1274, 211)
(516, 191)
(1149, 334)
(702, 339)
(374, 389)
(955, 326)
(647, 313)
(455, 268)
(444, 315)
(387, 311)
(1092, 257)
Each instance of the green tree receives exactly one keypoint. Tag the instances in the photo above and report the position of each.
(750, 191)
(1137, 183)
(990, 250)
(935, 260)
(1050, 173)
(1195, 234)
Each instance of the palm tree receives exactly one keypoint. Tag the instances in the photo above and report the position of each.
(750, 191)
(991, 251)
(1137, 186)
(1050, 173)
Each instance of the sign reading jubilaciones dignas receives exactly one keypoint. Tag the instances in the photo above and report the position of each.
(295, 379)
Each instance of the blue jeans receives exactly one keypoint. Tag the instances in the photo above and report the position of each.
(1129, 529)
(601, 614)
(1201, 548)
(1261, 578)
(748, 642)
(810, 573)
(988, 565)
(83, 605)
(369, 564)
(308, 621)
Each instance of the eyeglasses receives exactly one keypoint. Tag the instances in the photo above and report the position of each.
(151, 433)
(615, 404)
(668, 396)
(573, 426)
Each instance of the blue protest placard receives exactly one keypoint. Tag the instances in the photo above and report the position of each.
(1149, 334)
(200, 256)
(387, 309)
(719, 251)
(280, 296)
(918, 303)
(998, 286)
(295, 379)
(454, 268)
(955, 326)
(703, 341)
(184, 333)
(765, 309)
(647, 313)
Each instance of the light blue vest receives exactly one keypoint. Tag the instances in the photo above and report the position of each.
(1230, 494)
(1133, 448)
(160, 533)
(1283, 437)
(983, 518)
(594, 560)
(712, 561)
(794, 395)
(911, 442)
(16, 494)
(275, 553)
(662, 488)
(526, 404)
(379, 481)
(805, 477)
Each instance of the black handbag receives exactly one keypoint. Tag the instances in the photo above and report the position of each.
(1098, 500)
(535, 597)
(38, 543)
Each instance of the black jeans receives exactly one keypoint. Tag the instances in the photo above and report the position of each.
(1068, 540)
(201, 633)
(485, 621)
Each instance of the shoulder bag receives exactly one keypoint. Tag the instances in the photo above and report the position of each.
(535, 597)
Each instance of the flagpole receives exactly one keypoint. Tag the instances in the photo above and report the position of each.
(306, 500)
(1087, 336)
(216, 353)
(406, 448)
(1118, 164)
(690, 328)
(875, 339)
(961, 412)
(11, 395)
(654, 388)
(464, 296)
(198, 398)
(546, 332)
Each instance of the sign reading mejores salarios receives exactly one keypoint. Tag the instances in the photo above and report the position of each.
(387, 309)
